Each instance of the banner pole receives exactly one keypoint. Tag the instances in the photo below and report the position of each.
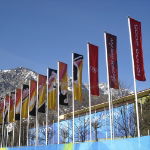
(134, 80)
(105, 121)
(3, 125)
(46, 112)
(28, 119)
(128, 115)
(109, 97)
(89, 93)
(14, 118)
(53, 132)
(20, 118)
(58, 105)
(8, 119)
(72, 101)
(36, 141)
(112, 111)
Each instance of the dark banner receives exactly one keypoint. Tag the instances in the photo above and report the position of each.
(63, 84)
(52, 88)
(111, 43)
(136, 41)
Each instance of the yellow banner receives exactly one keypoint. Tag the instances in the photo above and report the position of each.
(24, 112)
(52, 90)
(77, 76)
(25, 101)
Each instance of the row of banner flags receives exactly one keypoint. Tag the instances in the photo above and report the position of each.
(22, 102)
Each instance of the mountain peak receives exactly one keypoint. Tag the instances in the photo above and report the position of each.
(14, 78)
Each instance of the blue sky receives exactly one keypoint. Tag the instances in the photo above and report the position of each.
(38, 33)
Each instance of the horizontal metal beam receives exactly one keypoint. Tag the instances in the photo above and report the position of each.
(100, 107)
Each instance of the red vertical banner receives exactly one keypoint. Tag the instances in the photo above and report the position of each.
(137, 50)
(32, 97)
(111, 44)
(41, 93)
(93, 69)
(1, 110)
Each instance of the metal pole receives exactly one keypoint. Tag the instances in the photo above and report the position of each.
(3, 124)
(37, 129)
(8, 120)
(28, 119)
(72, 101)
(58, 124)
(20, 118)
(46, 112)
(89, 93)
(134, 80)
(109, 97)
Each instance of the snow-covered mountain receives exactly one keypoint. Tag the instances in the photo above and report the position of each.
(13, 78)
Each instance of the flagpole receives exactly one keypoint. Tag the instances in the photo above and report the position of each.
(36, 141)
(3, 125)
(141, 108)
(8, 119)
(20, 117)
(53, 131)
(109, 97)
(72, 101)
(46, 112)
(6, 137)
(4, 142)
(58, 103)
(128, 118)
(134, 80)
(105, 121)
(112, 111)
(28, 119)
(14, 118)
(89, 93)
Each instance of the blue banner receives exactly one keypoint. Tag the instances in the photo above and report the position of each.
(142, 143)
